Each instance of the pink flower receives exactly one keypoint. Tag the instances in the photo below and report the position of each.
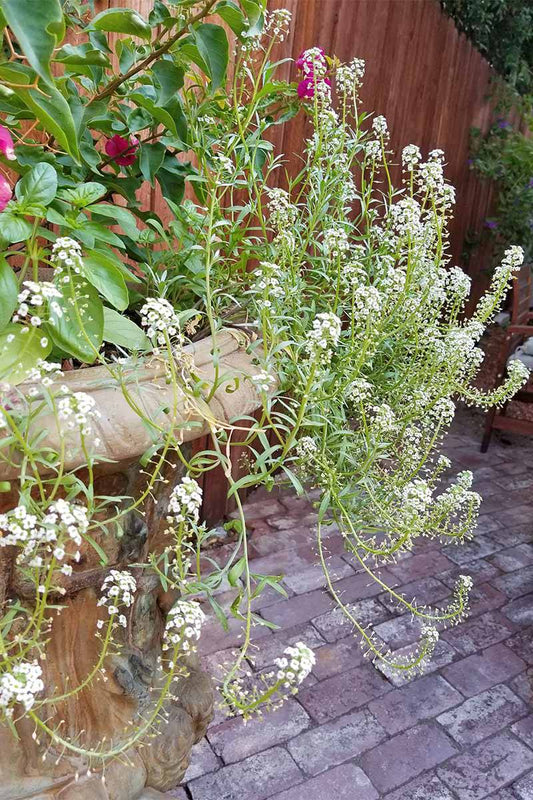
(122, 151)
(6, 144)
(307, 87)
(5, 192)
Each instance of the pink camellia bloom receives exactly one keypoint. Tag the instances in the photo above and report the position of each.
(122, 151)
(6, 192)
(307, 87)
(6, 144)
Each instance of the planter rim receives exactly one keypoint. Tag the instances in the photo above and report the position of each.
(119, 434)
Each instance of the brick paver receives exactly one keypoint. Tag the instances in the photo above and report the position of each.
(461, 731)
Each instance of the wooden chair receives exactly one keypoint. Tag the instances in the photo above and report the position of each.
(519, 329)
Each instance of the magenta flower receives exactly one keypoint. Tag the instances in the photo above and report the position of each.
(6, 144)
(6, 192)
(307, 87)
(122, 151)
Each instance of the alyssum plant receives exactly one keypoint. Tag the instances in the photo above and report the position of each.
(341, 281)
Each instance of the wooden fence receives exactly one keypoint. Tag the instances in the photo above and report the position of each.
(431, 84)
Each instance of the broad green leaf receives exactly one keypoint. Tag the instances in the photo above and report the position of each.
(212, 44)
(20, 350)
(159, 114)
(79, 330)
(122, 20)
(39, 26)
(236, 571)
(120, 216)
(84, 194)
(9, 289)
(108, 256)
(121, 331)
(81, 54)
(152, 156)
(13, 228)
(38, 187)
(170, 80)
(255, 17)
(232, 16)
(107, 279)
(172, 185)
(53, 112)
(98, 232)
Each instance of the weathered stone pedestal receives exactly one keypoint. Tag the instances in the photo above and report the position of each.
(107, 707)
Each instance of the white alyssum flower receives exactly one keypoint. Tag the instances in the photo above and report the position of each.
(160, 320)
(336, 241)
(66, 257)
(306, 448)
(225, 163)
(314, 62)
(277, 23)
(78, 410)
(411, 157)
(379, 126)
(324, 335)
(295, 664)
(34, 301)
(263, 381)
(266, 286)
(118, 590)
(349, 77)
(282, 212)
(359, 390)
(45, 372)
(184, 625)
(185, 501)
(374, 150)
(68, 519)
(20, 684)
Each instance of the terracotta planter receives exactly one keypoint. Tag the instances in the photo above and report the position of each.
(106, 707)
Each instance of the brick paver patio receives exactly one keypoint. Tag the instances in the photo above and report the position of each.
(462, 731)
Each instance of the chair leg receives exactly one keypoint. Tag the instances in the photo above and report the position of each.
(488, 430)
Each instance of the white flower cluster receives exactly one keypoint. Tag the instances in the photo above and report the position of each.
(295, 665)
(374, 150)
(38, 295)
(379, 126)
(367, 302)
(66, 252)
(20, 685)
(78, 410)
(63, 521)
(226, 163)
(411, 157)
(359, 390)
(45, 372)
(313, 62)
(324, 336)
(277, 23)
(266, 285)
(416, 497)
(349, 77)
(306, 448)
(185, 501)
(263, 381)
(118, 589)
(282, 212)
(465, 582)
(336, 241)
(430, 634)
(183, 625)
(160, 320)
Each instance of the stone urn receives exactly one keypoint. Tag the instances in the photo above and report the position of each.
(106, 708)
